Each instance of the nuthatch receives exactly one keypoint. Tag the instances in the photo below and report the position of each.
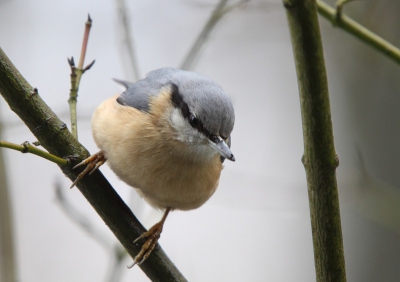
(167, 136)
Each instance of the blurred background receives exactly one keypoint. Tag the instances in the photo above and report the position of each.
(256, 227)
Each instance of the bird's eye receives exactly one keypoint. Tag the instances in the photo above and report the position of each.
(194, 122)
(214, 138)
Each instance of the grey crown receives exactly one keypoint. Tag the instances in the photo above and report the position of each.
(205, 98)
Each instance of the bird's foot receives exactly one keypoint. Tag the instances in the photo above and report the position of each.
(152, 236)
(93, 163)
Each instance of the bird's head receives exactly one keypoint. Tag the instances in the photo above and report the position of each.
(202, 114)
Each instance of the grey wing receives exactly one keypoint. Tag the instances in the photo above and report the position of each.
(137, 95)
(124, 83)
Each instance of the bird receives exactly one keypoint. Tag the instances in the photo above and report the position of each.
(167, 135)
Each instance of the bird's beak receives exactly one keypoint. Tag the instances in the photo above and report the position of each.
(222, 149)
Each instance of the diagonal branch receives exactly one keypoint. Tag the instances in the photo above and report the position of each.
(52, 134)
(359, 31)
(215, 17)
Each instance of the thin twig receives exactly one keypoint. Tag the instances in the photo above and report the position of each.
(219, 12)
(117, 266)
(215, 17)
(80, 219)
(359, 31)
(234, 6)
(116, 251)
(76, 74)
(73, 95)
(88, 26)
(339, 8)
(26, 147)
(128, 45)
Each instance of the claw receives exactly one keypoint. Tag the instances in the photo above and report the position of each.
(93, 163)
(99, 164)
(153, 235)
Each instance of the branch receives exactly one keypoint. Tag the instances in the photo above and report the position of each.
(234, 6)
(88, 26)
(367, 36)
(76, 74)
(131, 61)
(216, 15)
(26, 147)
(339, 8)
(219, 12)
(50, 132)
(8, 263)
(81, 220)
(319, 159)
(116, 251)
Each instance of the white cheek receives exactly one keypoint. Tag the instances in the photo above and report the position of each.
(185, 133)
(199, 144)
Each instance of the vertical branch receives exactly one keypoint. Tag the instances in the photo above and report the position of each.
(73, 96)
(319, 159)
(7, 251)
(131, 63)
(76, 74)
(88, 26)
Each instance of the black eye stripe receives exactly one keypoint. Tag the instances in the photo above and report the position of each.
(214, 138)
(178, 102)
(195, 122)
